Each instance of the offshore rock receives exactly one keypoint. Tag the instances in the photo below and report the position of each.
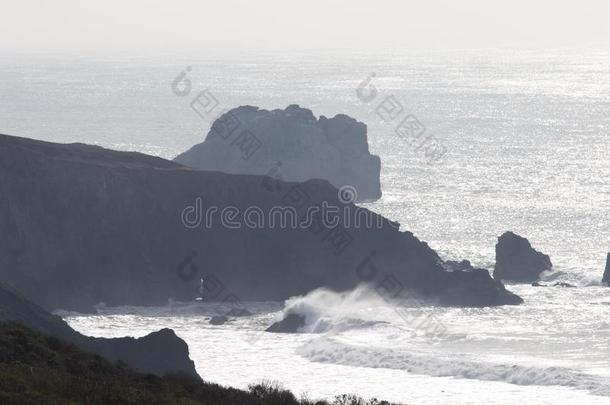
(290, 145)
(289, 324)
(518, 261)
(606, 278)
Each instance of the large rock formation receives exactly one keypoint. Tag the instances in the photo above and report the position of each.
(606, 278)
(517, 261)
(291, 144)
(82, 225)
(158, 353)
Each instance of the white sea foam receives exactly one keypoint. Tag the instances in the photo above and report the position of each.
(330, 311)
(328, 350)
(571, 276)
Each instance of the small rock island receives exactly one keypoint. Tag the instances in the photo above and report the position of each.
(290, 145)
(518, 261)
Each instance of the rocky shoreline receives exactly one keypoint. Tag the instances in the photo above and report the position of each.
(158, 353)
(55, 371)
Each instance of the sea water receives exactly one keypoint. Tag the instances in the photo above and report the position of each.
(527, 144)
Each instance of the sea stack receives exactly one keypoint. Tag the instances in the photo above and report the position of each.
(290, 145)
(518, 261)
(606, 278)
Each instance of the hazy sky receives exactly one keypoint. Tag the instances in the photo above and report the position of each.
(289, 26)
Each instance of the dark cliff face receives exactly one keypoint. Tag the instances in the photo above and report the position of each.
(293, 143)
(83, 225)
(158, 353)
(517, 261)
(606, 278)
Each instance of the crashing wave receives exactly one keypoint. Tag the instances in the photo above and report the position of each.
(328, 350)
(330, 311)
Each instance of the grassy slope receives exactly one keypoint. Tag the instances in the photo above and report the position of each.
(36, 369)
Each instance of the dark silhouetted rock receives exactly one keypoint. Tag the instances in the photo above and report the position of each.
(290, 324)
(452, 265)
(294, 146)
(82, 225)
(606, 278)
(218, 320)
(238, 312)
(469, 286)
(517, 261)
(563, 284)
(557, 284)
(158, 353)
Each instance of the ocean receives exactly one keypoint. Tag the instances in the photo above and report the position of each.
(526, 147)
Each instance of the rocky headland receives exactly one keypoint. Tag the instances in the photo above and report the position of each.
(158, 353)
(84, 225)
